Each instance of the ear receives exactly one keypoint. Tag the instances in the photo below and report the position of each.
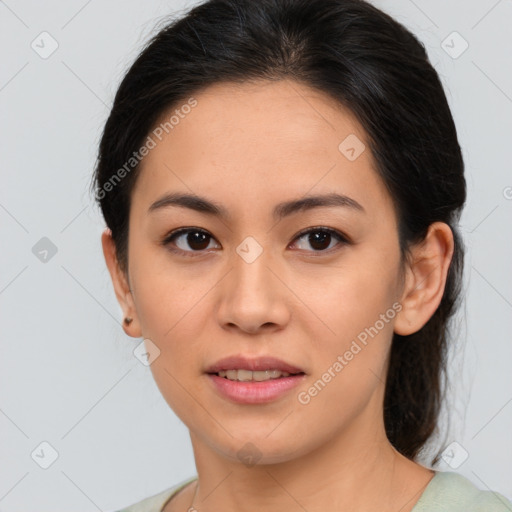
(425, 280)
(121, 285)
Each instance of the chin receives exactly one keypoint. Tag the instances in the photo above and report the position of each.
(251, 451)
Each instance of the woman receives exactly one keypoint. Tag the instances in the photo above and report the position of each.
(282, 183)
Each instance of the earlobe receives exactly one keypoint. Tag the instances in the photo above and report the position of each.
(121, 286)
(425, 281)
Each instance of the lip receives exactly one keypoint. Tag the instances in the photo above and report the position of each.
(253, 392)
(239, 362)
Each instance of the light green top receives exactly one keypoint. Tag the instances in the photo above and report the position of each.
(446, 492)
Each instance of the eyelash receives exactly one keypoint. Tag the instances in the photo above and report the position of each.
(342, 239)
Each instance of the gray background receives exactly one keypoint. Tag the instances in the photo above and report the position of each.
(67, 372)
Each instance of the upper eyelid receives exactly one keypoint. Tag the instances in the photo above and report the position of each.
(321, 228)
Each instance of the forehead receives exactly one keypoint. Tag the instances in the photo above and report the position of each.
(254, 141)
(243, 117)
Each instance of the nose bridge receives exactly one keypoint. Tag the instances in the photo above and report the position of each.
(251, 274)
(252, 295)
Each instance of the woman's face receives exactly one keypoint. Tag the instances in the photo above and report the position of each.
(250, 283)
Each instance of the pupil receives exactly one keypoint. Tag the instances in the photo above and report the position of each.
(319, 237)
(199, 241)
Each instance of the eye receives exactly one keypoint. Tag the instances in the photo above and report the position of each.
(195, 238)
(320, 238)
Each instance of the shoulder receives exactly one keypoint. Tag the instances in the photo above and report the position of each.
(451, 492)
(156, 502)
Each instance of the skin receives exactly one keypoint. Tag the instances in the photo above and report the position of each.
(249, 147)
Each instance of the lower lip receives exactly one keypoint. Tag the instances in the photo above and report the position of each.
(254, 392)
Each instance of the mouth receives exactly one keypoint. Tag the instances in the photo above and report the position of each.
(254, 381)
(239, 367)
(243, 375)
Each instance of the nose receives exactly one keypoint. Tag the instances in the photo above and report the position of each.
(253, 296)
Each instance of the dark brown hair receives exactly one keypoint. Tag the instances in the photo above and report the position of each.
(369, 63)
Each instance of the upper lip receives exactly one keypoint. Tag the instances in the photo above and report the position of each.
(239, 362)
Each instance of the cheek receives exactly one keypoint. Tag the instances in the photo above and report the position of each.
(357, 308)
(348, 367)
(168, 297)
(350, 298)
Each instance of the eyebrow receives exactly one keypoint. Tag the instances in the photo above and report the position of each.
(281, 210)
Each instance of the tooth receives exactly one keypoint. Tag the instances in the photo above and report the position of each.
(231, 374)
(248, 375)
(260, 375)
(244, 375)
